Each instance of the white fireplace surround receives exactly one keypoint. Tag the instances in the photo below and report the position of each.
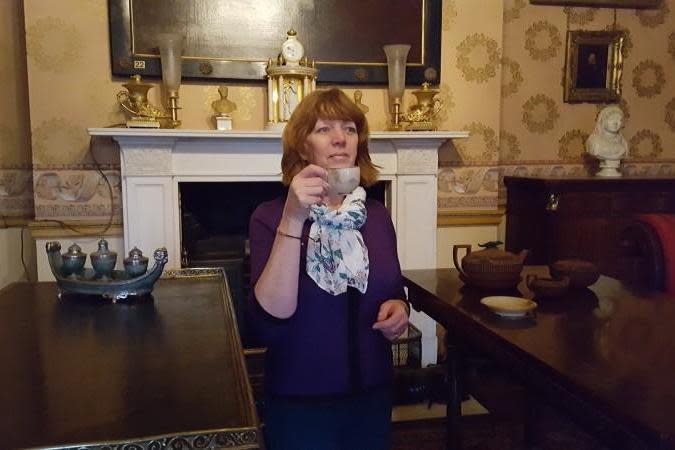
(153, 162)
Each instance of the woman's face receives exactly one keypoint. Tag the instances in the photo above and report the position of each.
(613, 122)
(332, 143)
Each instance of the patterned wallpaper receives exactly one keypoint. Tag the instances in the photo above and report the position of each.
(16, 193)
(501, 71)
(540, 134)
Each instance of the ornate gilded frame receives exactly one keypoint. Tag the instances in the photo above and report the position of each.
(637, 4)
(239, 49)
(593, 66)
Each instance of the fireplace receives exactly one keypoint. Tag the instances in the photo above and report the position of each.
(154, 163)
(214, 218)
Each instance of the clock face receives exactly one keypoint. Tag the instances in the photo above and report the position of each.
(292, 50)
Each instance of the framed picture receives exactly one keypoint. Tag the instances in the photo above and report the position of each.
(593, 66)
(634, 4)
(233, 40)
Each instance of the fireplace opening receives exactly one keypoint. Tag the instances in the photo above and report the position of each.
(214, 229)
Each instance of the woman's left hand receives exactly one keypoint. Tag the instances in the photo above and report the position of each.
(392, 318)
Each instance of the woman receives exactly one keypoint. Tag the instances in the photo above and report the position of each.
(327, 294)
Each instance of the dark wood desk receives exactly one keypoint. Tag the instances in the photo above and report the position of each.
(605, 356)
(162, 373)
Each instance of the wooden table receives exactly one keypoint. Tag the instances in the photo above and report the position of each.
(162, 373)
(605, 355)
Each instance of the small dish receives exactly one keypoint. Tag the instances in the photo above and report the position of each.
(510, 307)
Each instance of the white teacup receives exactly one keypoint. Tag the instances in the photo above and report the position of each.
(343, 180)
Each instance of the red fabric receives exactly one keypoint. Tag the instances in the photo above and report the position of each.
(664, 225)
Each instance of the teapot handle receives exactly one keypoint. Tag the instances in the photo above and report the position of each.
(455, 251)
(529, 279)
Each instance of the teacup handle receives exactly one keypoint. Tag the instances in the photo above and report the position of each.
(529, 279)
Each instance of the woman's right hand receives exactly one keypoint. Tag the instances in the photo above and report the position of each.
(307, 188)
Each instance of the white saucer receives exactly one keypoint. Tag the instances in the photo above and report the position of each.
(510, 307)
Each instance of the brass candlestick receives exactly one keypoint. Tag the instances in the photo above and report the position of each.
(170, 51)
(396, 124)
(173, 107)
(396, 61)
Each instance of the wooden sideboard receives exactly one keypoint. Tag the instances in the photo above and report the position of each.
(579, 217)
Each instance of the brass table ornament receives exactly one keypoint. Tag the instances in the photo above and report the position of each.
(223, 109)
(420, 116)
(134, 103)
(103, 281)
(358, 96)
(290, 78)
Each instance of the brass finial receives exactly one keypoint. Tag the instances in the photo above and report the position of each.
(291, 32)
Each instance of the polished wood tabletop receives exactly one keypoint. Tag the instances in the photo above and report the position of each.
(160, 371)
(606, 353)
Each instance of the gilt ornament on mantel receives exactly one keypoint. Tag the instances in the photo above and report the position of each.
(290, 78)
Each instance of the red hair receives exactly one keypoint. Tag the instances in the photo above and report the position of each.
(330, 104)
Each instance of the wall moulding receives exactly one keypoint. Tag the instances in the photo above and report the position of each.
(41, 229)
(633, 4)
(14, 222)
(456, 217)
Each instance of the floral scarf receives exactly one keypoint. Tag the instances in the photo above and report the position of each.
(336, 255)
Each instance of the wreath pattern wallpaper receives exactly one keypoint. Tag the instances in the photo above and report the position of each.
(501, 79)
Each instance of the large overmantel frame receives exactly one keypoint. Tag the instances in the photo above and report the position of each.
(233, 41)
(154, 162)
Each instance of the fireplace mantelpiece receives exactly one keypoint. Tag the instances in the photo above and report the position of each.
(153, 162)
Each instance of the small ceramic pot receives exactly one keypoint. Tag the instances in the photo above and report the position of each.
(547, 287)
(73, 261)
(580, 272)
(103, 260)
(135, 264)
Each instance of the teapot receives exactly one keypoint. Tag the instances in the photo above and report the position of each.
(490, 268)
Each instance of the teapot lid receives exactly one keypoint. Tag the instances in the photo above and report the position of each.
(492, 251)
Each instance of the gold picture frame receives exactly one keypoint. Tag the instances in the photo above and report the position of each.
(593, 66)
(635, 4)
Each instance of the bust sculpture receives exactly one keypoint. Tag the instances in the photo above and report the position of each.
(358, 96)
(606, 142)
(223, 107)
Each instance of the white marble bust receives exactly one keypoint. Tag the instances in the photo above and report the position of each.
(606, 142)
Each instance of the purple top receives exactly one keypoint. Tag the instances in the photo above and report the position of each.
(327, 347)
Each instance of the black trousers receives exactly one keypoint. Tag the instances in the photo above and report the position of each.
(355, 422)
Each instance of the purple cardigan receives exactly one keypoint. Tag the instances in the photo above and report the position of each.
(328, 346)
